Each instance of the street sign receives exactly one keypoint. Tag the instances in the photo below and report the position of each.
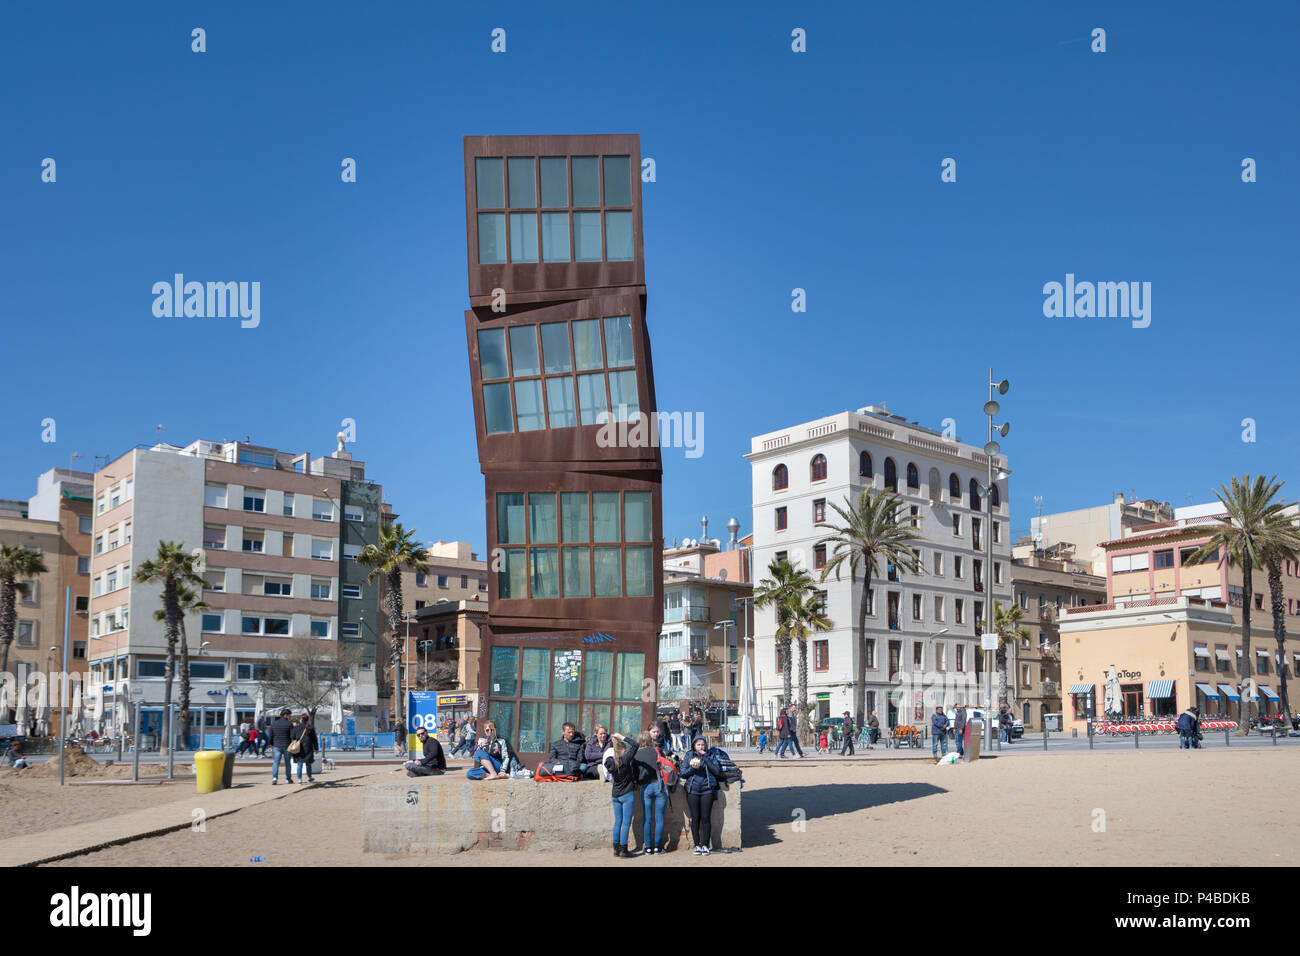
(989, 642)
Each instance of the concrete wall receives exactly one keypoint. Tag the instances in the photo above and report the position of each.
(448, 814)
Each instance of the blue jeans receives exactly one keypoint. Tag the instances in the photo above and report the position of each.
(654, 800)
(278, 754)
(939, 739)
(477, 772)
(623, 817)
(794, 745)
(304, 765)
(958, 737)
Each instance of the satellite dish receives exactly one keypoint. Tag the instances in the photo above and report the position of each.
(722, 574)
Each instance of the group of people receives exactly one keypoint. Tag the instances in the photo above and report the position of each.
(648, 766)
(253, 738)
(787, 729)
(1188, 726)
(281, 734)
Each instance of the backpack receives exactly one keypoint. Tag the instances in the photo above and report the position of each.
(730, 772)
(667, 771)
(545, 774)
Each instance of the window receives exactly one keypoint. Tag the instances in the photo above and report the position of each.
(214, 579)
(975, 532)
(958, 567)
(1024, 675)
(83, 524)
(79, 650)
(979, 613)
(818, 468)
(254, 500)
(871, 601)
(208, 670)
(821, 655)
(277, 587)
(82, 603)
(421, 579)
(956, 526)
(916, 607)
(1164, 559)
(974, 495)
(322, 549)
(27, 633)
(321, 510)
(320, 628)
(997, 579)
(321, 590)
(213, 623)
(915, 516)
(819, 556)
(891, 475)
(350, 552)
(864, 465)
(352, 591)
(997, 533)
(871, 653)
(913, 476)
(960, 651)
(918, 656)
(287, 505)
(442, 579)
(353, 513)
(960, 612)
(938, 609)
(780, 478)
(214, 496)
(938, 563)
(249, 672)
(780, 519)
(821, 602)
(150, 668)
(254, 541)
(781, 556)
(995, 496)
(276, 626)
(83, 565)
(819, 511)
(99, 544)
(464, 580)
(110, 582)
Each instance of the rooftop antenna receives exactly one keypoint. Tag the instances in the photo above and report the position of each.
(1038, 529)
(72, 459)
(704, 523)
(1189, 497)
(157, 433)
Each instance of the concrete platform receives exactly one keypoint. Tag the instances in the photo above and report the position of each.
(450, 814)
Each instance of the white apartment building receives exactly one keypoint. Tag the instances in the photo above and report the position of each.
(922, 629)
(277, 533)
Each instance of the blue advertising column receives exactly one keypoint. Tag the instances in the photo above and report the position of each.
(422, 711)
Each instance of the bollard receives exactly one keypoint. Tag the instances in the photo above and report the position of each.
(1044, 738)
(1227, 737)
(372, 748)
(1074, 732)
(1275, 736)
(1137, 736)
(1091, 737)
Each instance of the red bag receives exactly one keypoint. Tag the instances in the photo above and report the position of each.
(544, 775)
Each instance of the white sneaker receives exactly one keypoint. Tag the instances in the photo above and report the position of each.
(698, 851)
(704, 851)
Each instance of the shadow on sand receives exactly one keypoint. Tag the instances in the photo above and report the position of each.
(767, 809)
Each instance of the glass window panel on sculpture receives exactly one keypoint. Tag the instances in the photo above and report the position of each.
(491, 238)
(593, 409)
(573, 511)
(618, 236)
(618, 181)
(605, 516)
(523, 237)
(555, 347)
(504, 671)
(586, 345)
(577, 572)
(523, 351)
(512, 580)
(537, 672)
(586, 237)
(510, 518)
(532, 728)
(640, 582)
(503, 715)
(593, 714)
(636, 516)
(561, 714)
(555, 237)
(490, 188)
(586, 181)
(528, 405)
(545, 573)
(609, 572)
(618, 341)
(598, 682)
(492, 354)
(630, 676)
(541, 517)
(560, 404)
(622, 395)
(627, 720)
(523, 186)
(566, 680)
(555, 182)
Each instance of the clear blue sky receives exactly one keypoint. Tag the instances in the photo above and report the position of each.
(775, 170)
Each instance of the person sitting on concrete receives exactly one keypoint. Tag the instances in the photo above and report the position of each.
(568, 752)
(14, 756)
(433, 762)
(492, 757)
(593, 754)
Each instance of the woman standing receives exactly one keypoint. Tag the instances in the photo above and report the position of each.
(305, 734)
(654, 793)
(700, 774)
(622, 766)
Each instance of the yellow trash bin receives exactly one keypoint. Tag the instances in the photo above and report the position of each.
(208, 768)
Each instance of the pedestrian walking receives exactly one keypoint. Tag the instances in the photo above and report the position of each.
(793, 720)
(846, 749)
(762, 740)
(675, 730)
(281, 733)
(874, 724)
(823, 745)
(1004, 723)
(305, 736)
(939, 732)
(959, 729)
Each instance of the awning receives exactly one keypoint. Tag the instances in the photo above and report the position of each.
(1208, 690)
(1229, 692)
(1221, 653)
(1081, 688)
(1260, 653)
(1202, 652)
(1268, 692)
(1160, 689)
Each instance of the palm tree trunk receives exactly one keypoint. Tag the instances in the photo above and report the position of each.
(395, 652)
(860, 686)
(171, 605)
(1279, 631)
(185, 689)
(8, 621)
(1002, 673)
(803, 689)
(787, 672)
(1247, 600)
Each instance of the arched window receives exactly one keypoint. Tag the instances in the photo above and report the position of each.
(913, 476)
(995, 496)
(780, 478)
(936, 484)
(954, 486)
(974, 495)
(891, 475)
(864, 465)
(818, 468)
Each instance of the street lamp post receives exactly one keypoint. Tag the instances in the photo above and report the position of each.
(991, 449)
(726, 665)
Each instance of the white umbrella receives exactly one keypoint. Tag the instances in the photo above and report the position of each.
(336, 712)
(746, 703)
(21, 717)
(122, 708)
(97, 711)
(6, 689)
(41, 707)
(230, 718)
(259, 708)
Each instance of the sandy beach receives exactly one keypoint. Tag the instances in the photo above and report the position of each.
(1139, 808)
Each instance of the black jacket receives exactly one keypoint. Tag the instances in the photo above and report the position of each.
(433, 757)
(647, 764)
(624, 775)
(568, 749)
(307, 739)
(281, 731)
(702, 779)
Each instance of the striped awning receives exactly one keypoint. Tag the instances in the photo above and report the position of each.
(1221, 653)
(1201, 651)
(1268, 692)
(1229, 692)
(1261, 653)
(1208, 690)
(1160, 689)
(1081, 688)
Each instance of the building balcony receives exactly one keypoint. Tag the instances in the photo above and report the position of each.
(678, 614)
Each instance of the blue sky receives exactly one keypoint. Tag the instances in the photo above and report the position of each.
(775, 170)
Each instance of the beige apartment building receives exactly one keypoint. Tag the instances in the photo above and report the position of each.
(56, 521)
(454, 573)
(1078, 535)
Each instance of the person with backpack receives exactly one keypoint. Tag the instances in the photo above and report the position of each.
(782, 732)
(657, 774)
(700, 774)
(622, 766)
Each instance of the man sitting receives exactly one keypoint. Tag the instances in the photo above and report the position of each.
(568, 751)
(433, 762)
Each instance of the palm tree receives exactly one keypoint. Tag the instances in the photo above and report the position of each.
(784, 591)
(874, 528)
(806, 618)
(1282, 544)
(191, 603)
(16, 563)
(1006, 624)
(1243, 536)
(394, 554)
(175, 568)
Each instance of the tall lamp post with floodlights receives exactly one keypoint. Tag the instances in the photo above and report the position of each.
(726, 665)
(991, 449)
